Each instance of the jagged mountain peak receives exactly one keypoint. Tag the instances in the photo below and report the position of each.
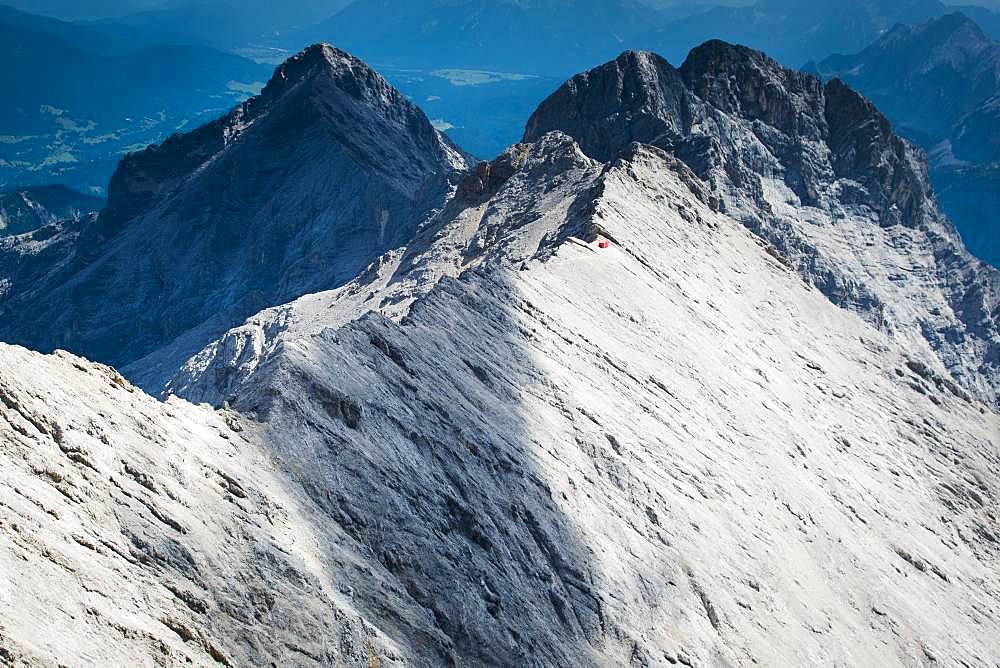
(319, 91)
(294, 191)
(634, 97)
(953, 41)
(742, 80)
(954, 25)
(641, 97)
(777, 148)
(326, 60)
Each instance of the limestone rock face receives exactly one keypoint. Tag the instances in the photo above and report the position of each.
(560, 433)
(589, 413)
(815, 170)
(139, 532)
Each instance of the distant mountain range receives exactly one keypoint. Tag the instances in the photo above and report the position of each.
(791, 31)
(77, 97)
(228, 24)
(71, 10)
(518, 51)
(502, 35)
(939, 82)
(532, 37)
(477, 66)
(927, 77)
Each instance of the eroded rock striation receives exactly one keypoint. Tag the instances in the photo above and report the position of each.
(593, 411)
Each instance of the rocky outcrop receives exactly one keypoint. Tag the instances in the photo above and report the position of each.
(27, 209)
(295, 191)
(817, 172)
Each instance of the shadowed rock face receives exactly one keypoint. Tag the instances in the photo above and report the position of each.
(27, 209)
(813, 168)
(939, 83)
(294, 191)
(637, 97)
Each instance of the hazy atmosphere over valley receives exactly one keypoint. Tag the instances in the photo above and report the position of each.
(500, 333)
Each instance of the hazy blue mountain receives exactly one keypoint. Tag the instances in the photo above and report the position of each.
(74, 102)
(971, 197)
(71, 10)
(792, 31)
(229, 24)
(939, 82)
(677, 9)
(89, 37)
(551, 37)
(925, 76)
(988, 18)
(27, 209)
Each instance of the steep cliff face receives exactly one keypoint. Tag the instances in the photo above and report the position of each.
(294, 191)
(815, 170)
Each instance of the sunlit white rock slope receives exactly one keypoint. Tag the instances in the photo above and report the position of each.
(135, 532)
(502, 444)
(667, 451)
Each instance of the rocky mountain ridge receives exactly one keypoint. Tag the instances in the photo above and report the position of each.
(597, 408)
(816, 171)
(555, 451)
(294, 191)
